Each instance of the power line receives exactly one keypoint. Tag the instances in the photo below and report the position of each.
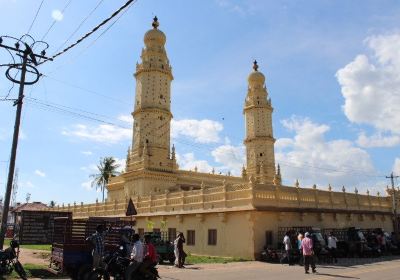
(79, 26)
(54, 21)
(85, 89)
(129, 2)
(34, 19)
(64, 109)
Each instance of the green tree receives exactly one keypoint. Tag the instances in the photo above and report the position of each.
(52, 204)
(107, 168)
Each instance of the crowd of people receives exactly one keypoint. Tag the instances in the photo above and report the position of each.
(143, 253)
(309, 244)
(306, 246)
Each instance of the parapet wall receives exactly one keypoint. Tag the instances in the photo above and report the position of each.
(237, 197)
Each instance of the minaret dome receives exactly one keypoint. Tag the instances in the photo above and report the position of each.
(155, 37)
(256, 78)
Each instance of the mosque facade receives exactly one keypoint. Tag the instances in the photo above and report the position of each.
(220, 215)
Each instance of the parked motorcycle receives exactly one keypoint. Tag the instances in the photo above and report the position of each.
(114, 264)
(134, 272)
(9, 261)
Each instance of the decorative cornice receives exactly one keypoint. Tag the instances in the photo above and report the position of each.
(152, 110)
(140, 70)
(261, 106)
(259, 139)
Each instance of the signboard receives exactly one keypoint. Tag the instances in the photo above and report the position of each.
(131, 210)
(36, 227)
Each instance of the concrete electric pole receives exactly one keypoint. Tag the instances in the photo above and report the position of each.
(28, 58)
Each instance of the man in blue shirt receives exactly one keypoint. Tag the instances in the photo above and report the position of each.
(97, 240)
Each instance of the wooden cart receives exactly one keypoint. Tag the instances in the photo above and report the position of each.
(71, 253)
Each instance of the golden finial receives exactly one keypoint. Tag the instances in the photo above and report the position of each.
(155, 23)
(255, 65)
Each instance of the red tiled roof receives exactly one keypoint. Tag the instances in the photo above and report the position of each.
(30, 206)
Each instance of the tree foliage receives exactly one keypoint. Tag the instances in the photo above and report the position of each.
(107, 168)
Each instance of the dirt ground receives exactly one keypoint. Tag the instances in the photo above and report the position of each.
(31, 256)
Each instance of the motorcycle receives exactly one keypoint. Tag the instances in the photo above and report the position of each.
(134, 272)
(121, 268)
(114, 264)
(9, 261)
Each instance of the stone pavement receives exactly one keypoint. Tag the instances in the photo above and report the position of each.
(382, 269)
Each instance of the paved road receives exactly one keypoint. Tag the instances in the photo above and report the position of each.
(363, 269)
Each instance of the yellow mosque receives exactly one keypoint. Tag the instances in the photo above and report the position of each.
(215, 211)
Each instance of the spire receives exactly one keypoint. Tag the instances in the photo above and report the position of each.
(155, 23)
(145, 150)
(128, 158)
(278, 178)
(255, 65)
(244, 173)
(173, 152)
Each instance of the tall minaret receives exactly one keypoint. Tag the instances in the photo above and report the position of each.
(259, 139)
(152, 110)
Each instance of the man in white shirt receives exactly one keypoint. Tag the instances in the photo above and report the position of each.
(137, 249)
(332, 240)
(288, 247)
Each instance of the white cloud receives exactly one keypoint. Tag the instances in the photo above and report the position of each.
(310, 158)
(371, 89)
(103, 133)
(87, 185)
(92, 168)
(87, 153)
(231, 157)
(40, 173)
(240, 7)
(188, 162)
(121, 163)
(396, 166)
(26, 184)
(57, 15)
(126, 118)
(201, 131)
(378, 140)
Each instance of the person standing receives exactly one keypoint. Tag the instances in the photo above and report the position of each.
(288, 246)
(300, 237)
(97, 240)
(137, 249)
(308, 253)
(332, 246)
(150, 257)
(180, 254)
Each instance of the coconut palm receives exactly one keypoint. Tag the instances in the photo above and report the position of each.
(107, 168)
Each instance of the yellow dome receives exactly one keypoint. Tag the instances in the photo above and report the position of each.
(256, 77)
(154, 37)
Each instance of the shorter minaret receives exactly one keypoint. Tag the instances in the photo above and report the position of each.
(278, 177)
(259, 139)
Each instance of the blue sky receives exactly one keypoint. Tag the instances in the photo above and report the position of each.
(332, 71)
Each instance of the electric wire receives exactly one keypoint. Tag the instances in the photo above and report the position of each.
(66, 110)
(84, 89)
(54, 21)
(128, 3)
(36, 15)
(73, 111)
(79, 26)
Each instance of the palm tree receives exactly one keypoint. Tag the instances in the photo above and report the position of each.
(107, 168)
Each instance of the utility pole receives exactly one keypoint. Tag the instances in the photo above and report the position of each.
(394, 205)
(28, 58)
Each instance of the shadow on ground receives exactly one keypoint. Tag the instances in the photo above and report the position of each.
(337, 276)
